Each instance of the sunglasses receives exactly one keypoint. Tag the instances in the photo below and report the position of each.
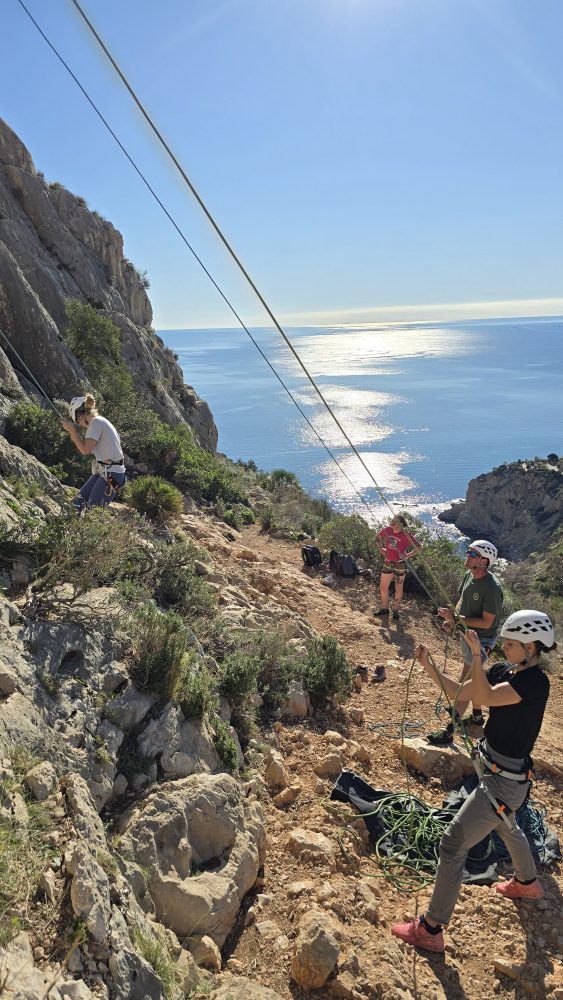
(473, 554)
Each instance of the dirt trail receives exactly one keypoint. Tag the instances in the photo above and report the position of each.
(484, 927)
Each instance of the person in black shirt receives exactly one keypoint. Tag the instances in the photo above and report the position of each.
(516, 693)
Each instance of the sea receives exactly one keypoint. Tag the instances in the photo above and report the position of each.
(428, 406)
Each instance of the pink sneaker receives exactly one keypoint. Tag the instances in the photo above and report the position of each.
(515, 890)
(415, 933)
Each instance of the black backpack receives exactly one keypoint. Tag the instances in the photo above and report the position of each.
(311, 555)
(342, 565)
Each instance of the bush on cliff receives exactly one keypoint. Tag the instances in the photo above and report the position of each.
(160, 643)
(39, 432)
(155, 497)
(290, 509)
(327, 675)
(352, 534)
(197, 694)
(88, 552)
(176, 584)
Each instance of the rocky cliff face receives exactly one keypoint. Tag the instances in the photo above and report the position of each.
(52, 248)
(517, 506)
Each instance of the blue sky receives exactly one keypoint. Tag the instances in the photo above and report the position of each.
(369, 159)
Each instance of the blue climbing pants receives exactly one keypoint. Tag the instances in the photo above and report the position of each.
(97, 491)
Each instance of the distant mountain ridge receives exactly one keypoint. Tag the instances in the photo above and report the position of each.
(54, 248)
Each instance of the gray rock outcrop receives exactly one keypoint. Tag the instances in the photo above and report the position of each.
(517, 506)
(202, 842)
(54, 248)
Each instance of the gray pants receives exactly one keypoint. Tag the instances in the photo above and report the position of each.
(475, 820)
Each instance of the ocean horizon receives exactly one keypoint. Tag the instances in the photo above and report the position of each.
(429, 406)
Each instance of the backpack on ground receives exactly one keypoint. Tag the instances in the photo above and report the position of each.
(343, 565)
(311, 555)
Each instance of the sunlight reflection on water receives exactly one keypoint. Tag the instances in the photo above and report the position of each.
(418, 401)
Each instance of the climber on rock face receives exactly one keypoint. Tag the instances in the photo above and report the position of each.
(102, 442)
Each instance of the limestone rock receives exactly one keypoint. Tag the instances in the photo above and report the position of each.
(296, 703)
(316, 951)
(81, 806)
(518, 506)
(330, 765)
(76, 989)
(89, 895)
(287, 796)
(202, 842)
(311, 844)
(185, 746)
(133, 977)
(431, 760)
(241, 988)
(276, 774)
(41, 780)
(205, 952)
(18, 970)
(52, 248)
(509, 969)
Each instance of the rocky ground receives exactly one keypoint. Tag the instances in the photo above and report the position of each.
(318, 905)
(495, 948)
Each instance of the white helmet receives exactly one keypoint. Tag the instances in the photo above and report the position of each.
(485, 549)
(529, 626)
(75, 405)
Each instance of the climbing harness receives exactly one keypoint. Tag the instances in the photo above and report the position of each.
(489, 764)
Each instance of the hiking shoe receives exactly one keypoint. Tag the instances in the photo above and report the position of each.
(382, 613)
(395, 615)
(513, 889)
(441, 737)
(362, 671)
(415, 933)
(378, 675)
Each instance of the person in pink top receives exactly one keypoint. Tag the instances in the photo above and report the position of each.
(396, 545)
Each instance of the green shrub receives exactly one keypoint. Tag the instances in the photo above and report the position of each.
(155, 497)
(238, 676)
(350, 533)
(236, 517)
(277, 666)
(39, 432)
(197, 695)
(177, 585)
(281, 477)
(160, 641)
(92, 551)
(92, 338)
(225, 744)
(326, 673)
(164, 448)
(201, 474)
(440, 567)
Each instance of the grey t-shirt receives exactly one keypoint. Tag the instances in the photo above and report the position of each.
(481, 595)
(108, 445)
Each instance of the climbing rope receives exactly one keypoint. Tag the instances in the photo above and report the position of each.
(31, 375)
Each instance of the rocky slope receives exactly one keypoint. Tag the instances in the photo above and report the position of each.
(518, 506)
(52, 248)
(144, 839)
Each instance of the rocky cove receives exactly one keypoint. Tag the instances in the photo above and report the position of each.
(153, 846)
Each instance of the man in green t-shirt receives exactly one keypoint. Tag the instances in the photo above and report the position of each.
(479, 607)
